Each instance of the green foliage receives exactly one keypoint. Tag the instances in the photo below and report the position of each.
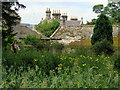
(57, 45)
(47, 27)
(98, 8)
(65, 70)
(92, 22)
(29, 57)
(40, 44)
(103, 47)
(9, 18)
(31, 39)
(112, 10)
(117, 62)
(102, 30)
(36, 42)
(102, 36)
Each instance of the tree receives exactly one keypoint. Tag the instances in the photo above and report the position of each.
(92, 22)
(98, 8)
(9, 18)
(112, 10)
(103, 30)
(47, 27)
(102, 33)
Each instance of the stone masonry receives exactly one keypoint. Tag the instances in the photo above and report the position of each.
(73, 33)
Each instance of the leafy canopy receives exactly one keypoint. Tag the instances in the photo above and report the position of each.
(47, 27)
(112, 10)
(98, 8)
(9, 18)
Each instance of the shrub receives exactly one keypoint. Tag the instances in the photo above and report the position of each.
(36, 42)
(117, 62)
(30, 57)
(57, 45)
(103, 47)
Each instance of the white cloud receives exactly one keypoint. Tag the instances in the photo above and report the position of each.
(86, 13)
(86, 1)
(35, 10)
(64, 1)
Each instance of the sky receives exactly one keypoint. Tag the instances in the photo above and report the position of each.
(35, 9)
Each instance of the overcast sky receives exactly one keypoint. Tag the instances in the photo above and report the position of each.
(35, 9)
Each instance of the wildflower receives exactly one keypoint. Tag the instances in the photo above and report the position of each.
(74, 73)
(59, 68)
(66, 69)
(108, 57)
(90, 57)
(80, 55)
(43, 56)
(83, 64)
(75, 83)
(60, 65)
(71, 61)
(35, 60)
(94, 67)
(106, 60)
(70, 58)
(102, 56)
(62, 57)
(96, 60)
(83, 56)
(100, 75)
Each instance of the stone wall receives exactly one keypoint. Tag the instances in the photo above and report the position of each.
(70, 34)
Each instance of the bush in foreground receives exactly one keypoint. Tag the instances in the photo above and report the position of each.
(103, 47)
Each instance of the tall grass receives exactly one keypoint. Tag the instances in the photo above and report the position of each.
(78, 68)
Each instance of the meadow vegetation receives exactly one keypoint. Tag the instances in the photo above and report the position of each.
(77, 67)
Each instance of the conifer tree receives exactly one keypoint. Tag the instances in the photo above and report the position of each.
(10, 17)
(102, 38)
(103, 30)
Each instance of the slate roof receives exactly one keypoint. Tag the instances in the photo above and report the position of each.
(71, 22)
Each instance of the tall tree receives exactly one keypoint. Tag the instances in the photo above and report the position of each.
(112, 10)
(102, 38)
(9, 18)
(103, 30)
(98, 8)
